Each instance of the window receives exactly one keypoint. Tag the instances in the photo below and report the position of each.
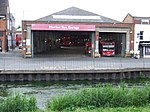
(145, 21)
(147, 50)
(141, 35)
(1, 33)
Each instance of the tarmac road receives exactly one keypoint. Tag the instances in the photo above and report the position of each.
(13, 60)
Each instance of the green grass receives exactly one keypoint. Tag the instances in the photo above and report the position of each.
(98, 99)
(18, 103)
(3, 92)
(102, 97)
(118, 109)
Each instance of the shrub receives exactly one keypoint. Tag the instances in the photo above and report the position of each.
(18, 103)
(106, 96)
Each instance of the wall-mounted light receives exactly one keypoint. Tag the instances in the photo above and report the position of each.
(131, 41)
(24, 41)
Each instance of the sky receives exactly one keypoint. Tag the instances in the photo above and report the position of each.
(114, 9)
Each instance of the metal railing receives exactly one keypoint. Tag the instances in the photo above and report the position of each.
(13, 60)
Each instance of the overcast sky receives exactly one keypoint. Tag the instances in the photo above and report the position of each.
(114, 9)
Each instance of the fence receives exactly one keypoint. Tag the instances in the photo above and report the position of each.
(13, 60)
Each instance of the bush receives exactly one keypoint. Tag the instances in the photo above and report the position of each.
(18, 103)
(106, 96)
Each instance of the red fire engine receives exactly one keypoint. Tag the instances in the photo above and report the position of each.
(107, 48)
(88, 47)
(66, 41)
(18, 39)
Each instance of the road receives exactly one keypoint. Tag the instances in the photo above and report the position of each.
(13, 60)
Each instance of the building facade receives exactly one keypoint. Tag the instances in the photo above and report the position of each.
(75, 23)
(11, 37)
(4, 24)
(141, 34)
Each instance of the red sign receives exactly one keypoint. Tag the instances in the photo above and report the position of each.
(63, 27)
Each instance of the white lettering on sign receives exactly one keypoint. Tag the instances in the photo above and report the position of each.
(55, 27)
(73, 27)
(65, 27)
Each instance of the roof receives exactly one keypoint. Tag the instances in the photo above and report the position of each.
(135, 17)
(3, 7)
(138, 17)
(74, 14)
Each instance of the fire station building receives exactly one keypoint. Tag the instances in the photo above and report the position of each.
(74, 27)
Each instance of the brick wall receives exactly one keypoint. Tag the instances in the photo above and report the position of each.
(3, 28)
(2, 24)
(128, 19)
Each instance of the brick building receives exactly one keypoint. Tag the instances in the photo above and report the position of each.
(4, 24)
(11, 37)
(140, 34)
(75, 23)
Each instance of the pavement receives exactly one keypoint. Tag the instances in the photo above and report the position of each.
(13, 61)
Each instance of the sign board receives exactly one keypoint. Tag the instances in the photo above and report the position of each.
(63, 27)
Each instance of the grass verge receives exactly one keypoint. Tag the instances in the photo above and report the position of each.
(18, 103)
(102, 97)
